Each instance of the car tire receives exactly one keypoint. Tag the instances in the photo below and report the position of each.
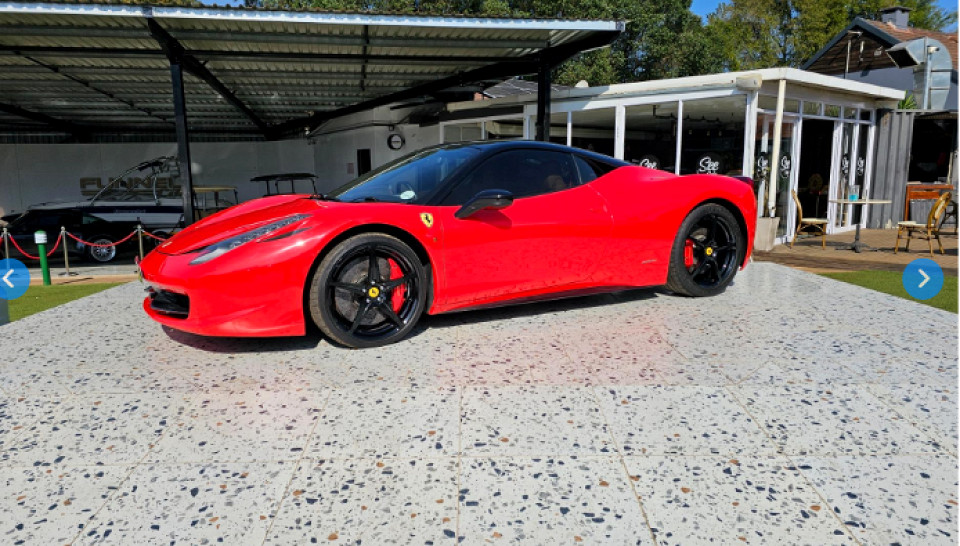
(707, 252)
(369, 290)
(98, 254)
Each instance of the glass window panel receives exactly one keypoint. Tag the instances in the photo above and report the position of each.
(594, 130)
(462, 132)
(812, 108)
(865, 114)
(850, 113)
(831, 110)
(768, 102)
(650, 139)
(523, 173)
(558, 127)
(712, 140)
(505, 129)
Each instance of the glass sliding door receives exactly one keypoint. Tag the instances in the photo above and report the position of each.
(784, 168)
(848, 177)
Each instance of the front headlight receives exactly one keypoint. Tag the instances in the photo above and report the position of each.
(216, 250)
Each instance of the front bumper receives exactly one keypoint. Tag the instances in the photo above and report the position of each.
(249, 294)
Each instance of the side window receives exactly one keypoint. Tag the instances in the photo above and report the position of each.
(524, 173)
(591, 169)
(587, 172)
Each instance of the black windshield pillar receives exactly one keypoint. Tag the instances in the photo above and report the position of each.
(183, 141)
(543, 99)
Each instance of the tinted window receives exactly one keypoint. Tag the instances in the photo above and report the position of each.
(587, 172)
(524, 173)
(409, 179)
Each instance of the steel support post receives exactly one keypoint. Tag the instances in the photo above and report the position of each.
(543, 100)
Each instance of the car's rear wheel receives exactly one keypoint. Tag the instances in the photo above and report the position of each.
(706, 253)
(370, 290)
(103, 253)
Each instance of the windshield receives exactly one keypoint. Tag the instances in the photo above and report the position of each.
(410, 179)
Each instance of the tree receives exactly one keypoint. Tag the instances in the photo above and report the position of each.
(663, 38)
(924, 14)
(763, 33)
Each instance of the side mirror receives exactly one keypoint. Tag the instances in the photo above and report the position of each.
(487, 199)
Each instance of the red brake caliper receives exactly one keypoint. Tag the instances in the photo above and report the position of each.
(688, 254)
(396, 298)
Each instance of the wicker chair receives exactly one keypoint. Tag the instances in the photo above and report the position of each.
(929, 231)
(819, 224)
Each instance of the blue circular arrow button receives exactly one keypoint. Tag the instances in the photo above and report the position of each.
(14, 279)
(923, 279)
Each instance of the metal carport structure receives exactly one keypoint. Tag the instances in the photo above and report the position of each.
(86, 68)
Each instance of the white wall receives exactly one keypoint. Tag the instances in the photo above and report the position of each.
(335, 151)
(34, 173)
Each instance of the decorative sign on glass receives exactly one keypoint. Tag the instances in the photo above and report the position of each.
(708, 164)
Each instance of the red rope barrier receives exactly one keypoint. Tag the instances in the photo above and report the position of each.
(31, 256)
(55, 245)
(22, 251)
(152, 236)
(121, 241)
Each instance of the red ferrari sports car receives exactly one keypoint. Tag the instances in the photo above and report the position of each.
(444, 229)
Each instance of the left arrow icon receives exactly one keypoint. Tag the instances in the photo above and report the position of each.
(14, 279)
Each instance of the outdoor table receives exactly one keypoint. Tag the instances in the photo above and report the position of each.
(857, 246)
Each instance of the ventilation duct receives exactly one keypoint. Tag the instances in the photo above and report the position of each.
(931, 70)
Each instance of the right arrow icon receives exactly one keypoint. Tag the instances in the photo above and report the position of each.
(926, 278)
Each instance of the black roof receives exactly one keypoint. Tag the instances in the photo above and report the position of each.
(491, 146)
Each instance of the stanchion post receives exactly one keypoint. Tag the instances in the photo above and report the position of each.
(4, 308)
(66, 258)
(40, 237)
(140, 239)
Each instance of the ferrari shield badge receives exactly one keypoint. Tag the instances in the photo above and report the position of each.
(426, 218)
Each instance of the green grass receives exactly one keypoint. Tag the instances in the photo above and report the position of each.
(890, 282)
(41, 298)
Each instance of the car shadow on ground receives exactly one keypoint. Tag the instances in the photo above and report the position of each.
(314, 338)
(521, 310)
(245, 344)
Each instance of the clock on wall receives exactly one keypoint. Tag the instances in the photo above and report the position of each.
(395, 141)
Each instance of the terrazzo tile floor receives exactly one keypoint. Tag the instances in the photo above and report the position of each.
(792, 409)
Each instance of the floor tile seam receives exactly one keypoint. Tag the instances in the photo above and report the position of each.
(669, 343)
(784, 455)
(459, 459)
(905, 419)
(325, 384)
(870, 393)
(293, 471)
(623, 464)
(25, 428)
(89, 524)
(519, 457)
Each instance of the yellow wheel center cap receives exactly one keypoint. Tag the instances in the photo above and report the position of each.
(373, 292)
(709, 251)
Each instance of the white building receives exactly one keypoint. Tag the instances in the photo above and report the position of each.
(722, 123)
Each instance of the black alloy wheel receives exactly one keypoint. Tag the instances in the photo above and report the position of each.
(707, 252)
(369, 291)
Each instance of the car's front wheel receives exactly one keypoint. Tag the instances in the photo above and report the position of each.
(103, 252)
(706, 253)
(370, 290)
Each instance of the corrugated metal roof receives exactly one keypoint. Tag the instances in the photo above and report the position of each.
(98, 64)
